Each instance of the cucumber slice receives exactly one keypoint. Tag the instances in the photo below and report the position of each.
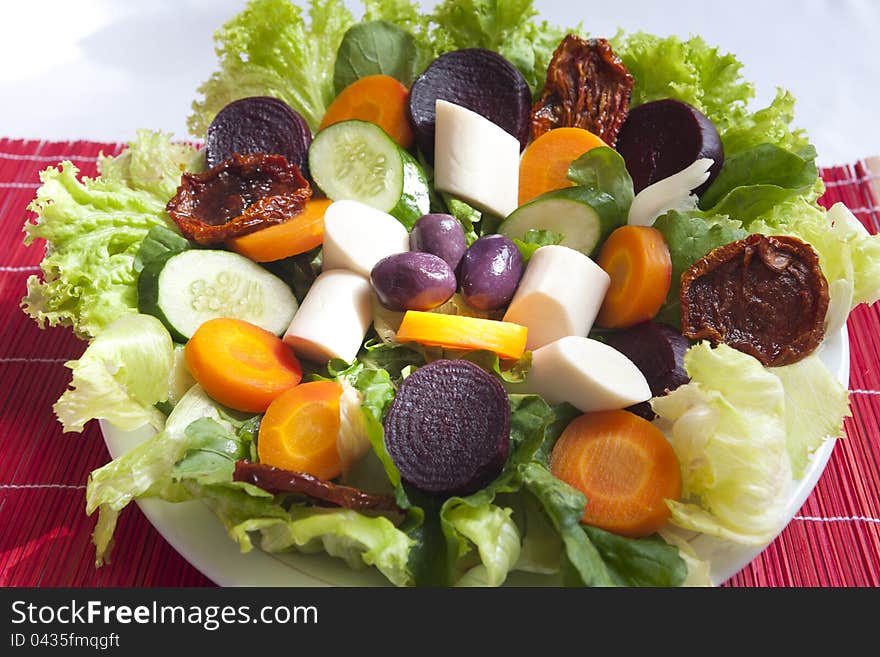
(357, 161)
(584, 216)
(186, 289)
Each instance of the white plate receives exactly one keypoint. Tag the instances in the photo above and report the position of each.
(193, 530)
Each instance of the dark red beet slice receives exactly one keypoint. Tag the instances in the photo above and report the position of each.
(448, 429)
(657, 350)
(661, 138)
(259, 124)
(480, 80)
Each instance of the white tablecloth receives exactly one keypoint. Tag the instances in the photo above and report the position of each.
(99, 69)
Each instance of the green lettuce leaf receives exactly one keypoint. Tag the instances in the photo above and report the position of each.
(375, 48)
(94, 228)
(815, 405)
(505, 26)
(648, 561)
(496, 537)
(728, 429)
(467, 216)
(534, 239)
(212, 450)
(564, 506)
(147, 469)
(270, 50)
(158, 243)
(751, 172)
(358, 539)
(123, 373)
(604, 170)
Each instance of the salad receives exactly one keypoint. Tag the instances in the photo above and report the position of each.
(459, 294)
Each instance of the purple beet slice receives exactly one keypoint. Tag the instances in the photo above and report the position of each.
(259, 124)
(660, 138)
(448, 429)
(657, 350)
(480, 80)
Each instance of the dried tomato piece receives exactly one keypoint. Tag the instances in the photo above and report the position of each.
(238, 196)
(587, 87)
(765, 296)
(277, 480)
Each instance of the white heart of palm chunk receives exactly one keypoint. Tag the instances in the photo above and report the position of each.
(586, 373)
(559, 295)
(333, 318)
(672, 193)
(357, 236)
(475, 160)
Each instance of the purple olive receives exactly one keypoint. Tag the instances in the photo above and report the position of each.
(440, 234)
(490, 271)
(412, 281)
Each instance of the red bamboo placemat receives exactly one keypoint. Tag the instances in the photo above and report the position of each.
(834, 540)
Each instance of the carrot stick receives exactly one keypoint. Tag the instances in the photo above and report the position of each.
(299, 234)
(544, 164)
(624, 466)
(379, 99)
(241, 365)
(299, 430)
(638, 262)
(506, 339)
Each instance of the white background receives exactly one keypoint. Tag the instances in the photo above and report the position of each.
(100, 69)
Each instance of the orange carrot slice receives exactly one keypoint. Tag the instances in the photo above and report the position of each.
(544, 164)
(299, 430)
(241, 365)
(624, 466)
(379, 99)
(297, 235)
(506, 339)
(638, 262)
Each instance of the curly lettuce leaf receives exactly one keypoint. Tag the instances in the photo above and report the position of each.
(690, 71)
(505, 26)
(270, 50)
(728, 429)
(769, 125)
(848, 254)
(123, 373)
(94, 228)
(696, 73)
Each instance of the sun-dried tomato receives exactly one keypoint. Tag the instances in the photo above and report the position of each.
(765, 296)
(238, 196)
(277, 480)
(587, 87)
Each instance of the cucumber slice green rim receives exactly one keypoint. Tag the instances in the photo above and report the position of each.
(184, 290)
(356, 160)
(585, 217)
